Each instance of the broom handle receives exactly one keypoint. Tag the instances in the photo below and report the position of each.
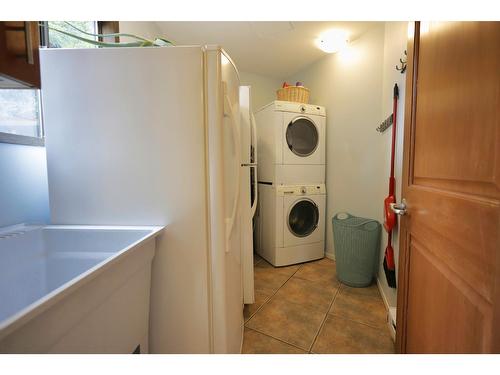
(393, 145)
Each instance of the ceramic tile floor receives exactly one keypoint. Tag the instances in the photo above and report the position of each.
(304, 309)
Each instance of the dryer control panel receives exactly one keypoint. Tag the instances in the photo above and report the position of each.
(284, 190)
(306, 109)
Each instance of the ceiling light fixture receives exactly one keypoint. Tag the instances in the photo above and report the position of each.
(332, 41)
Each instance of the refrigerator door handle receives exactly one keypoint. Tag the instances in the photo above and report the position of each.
(253, 125)
(254, 205)
(236, 143)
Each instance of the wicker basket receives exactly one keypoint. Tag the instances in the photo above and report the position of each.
(293, 94)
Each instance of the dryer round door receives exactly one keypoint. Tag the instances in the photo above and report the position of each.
(303, 218)
(302, 136)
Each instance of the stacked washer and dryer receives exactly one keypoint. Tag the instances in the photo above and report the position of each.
(291, 182)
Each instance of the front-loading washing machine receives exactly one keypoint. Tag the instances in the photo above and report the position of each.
(292, 220)
(291, 143)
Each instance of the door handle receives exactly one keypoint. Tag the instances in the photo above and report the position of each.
(236, 142)
(399, 208)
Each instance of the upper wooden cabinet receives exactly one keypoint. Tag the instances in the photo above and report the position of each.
(19, 54)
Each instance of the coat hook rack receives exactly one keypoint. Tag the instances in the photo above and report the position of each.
(385, 124)
(402, 68)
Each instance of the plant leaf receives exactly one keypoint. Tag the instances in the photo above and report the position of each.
(145, 43)
(107, 35)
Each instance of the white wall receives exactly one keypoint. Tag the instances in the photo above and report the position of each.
(24, 196)
(395, 42)
(263, 88)
(349, 85)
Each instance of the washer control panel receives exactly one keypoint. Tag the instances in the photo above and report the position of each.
(284, 190)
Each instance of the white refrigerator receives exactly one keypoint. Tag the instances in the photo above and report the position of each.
(151, 136)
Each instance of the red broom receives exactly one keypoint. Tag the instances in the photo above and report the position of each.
(390, 216)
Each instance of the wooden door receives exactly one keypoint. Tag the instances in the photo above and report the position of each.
(19, 52)
(449, 275)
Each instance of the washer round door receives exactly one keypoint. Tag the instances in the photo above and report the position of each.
(302, 136)
(303, 218)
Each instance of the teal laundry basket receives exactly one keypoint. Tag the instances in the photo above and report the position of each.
(357, 247)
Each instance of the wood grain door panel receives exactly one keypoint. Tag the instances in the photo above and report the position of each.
(458, 231)
(450, 306)
(449, 297)
(457, 109)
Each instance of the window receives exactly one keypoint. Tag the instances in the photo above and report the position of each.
(20, 119)
(57, 39)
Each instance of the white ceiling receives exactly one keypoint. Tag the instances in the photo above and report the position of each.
(275, 49)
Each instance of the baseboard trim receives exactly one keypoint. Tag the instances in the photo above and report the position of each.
(242, 334)
(387, 313)
(330, 255)
(384, 298)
